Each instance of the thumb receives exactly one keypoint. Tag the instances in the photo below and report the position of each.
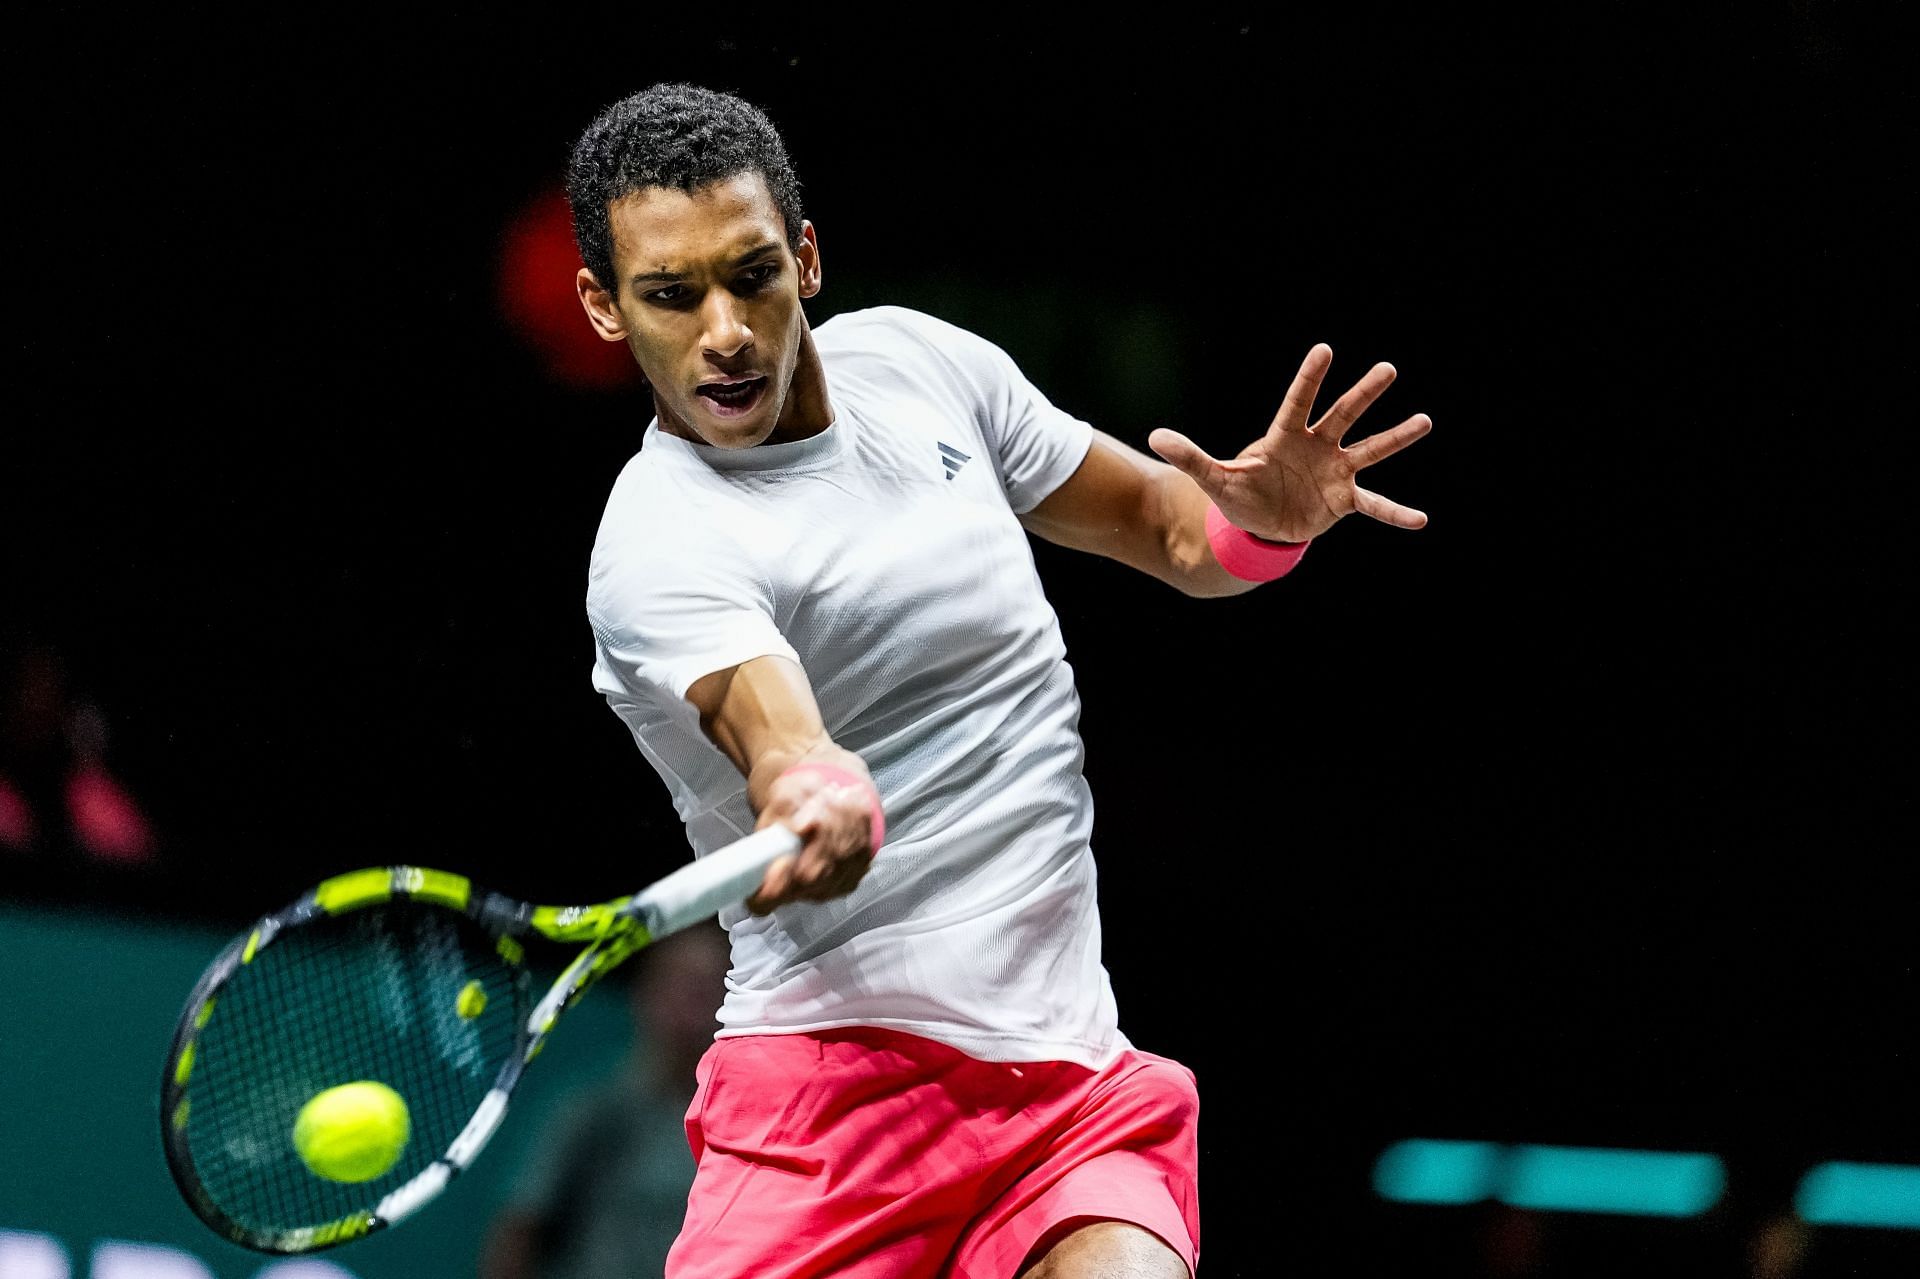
(1183, 453)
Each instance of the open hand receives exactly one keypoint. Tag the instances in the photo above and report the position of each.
(1291, 484)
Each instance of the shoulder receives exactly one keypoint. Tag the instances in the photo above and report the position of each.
(635, 513)
(894, 329)
(650, 543)
(894, 343)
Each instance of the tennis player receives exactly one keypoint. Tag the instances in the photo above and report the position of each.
(814, 603)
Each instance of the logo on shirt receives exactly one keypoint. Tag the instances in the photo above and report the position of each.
(953, 459)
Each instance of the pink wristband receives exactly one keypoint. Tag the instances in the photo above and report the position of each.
(1249, 558)
(846, 778)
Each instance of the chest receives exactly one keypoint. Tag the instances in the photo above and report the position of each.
(901, 559)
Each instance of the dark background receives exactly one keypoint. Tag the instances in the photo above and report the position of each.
(1575, 817)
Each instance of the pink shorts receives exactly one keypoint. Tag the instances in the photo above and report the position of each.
(864, 1152)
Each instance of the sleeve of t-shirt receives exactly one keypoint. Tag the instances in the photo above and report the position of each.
(1035, 445)
(662, 622)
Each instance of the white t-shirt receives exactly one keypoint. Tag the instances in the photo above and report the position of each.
(885, 557)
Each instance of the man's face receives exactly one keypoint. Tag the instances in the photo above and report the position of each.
(708, 300)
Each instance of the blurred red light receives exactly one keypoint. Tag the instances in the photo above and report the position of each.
(538, 262)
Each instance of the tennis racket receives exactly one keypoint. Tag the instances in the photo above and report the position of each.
(406, 977)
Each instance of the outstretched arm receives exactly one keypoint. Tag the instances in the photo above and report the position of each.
(762, 714)
(1290, 485)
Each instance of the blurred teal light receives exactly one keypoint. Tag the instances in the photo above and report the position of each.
(1436, 1172)
(1646, 1183)
(1842, 1194)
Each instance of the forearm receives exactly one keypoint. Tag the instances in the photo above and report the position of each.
(762, 714)
(1138, 510)
(763, 717)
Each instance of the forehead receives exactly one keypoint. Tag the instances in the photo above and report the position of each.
(662, 229)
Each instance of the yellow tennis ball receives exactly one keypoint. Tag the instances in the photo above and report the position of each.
(472, 1000)
(352, 1133)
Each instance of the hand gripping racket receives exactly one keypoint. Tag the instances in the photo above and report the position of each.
(402, 976)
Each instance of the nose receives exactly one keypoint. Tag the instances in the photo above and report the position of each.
(726, 332)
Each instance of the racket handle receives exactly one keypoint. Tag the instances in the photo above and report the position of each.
(707, 885)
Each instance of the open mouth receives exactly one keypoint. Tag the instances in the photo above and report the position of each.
(732, 398)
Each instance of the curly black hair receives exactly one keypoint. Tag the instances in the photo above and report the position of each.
(671, 135)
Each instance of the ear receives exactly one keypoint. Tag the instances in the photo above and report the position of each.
(601, 311)
(808, 256)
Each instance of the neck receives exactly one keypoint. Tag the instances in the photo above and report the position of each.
(807, 411)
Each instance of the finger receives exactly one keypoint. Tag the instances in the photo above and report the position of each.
(820, 860)
(845, 878)
(1182, 452)
(1297, 404)
(828, 869)
(774, 886)
(1378, 448)
(1372, 504)
(806, 818)
(1348, 408)
(812, 867)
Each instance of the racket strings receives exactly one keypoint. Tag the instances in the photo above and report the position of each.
(374, 994)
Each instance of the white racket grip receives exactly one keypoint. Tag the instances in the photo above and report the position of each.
(724, 877)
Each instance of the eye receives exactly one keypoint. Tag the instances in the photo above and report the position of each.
(758, 277)
(669, 295)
